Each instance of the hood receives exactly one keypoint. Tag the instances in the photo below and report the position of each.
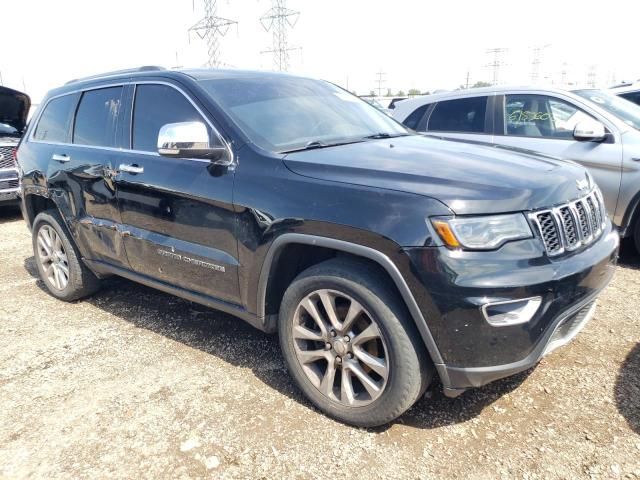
(14, 108)
(470, 178)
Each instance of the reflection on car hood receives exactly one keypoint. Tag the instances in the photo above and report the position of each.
(14, 108)
(470, 178)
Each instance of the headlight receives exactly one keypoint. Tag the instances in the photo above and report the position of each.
(482, 233)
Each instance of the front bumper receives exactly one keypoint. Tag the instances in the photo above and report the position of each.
(452, 286)
(9, 185)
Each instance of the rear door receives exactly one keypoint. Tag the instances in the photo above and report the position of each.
(82, 157)
(545, 123)
(177, 213)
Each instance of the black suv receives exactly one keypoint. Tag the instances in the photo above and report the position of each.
(380, 257)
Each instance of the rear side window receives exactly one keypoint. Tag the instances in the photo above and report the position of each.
(155, 106)
(464, 115)
(632, 97)
(96, 117)
(413, 120)
(54, 121)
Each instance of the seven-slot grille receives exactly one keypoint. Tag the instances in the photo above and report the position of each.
(6, 157)
(572, 225)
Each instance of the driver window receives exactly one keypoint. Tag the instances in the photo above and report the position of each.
(541, 116)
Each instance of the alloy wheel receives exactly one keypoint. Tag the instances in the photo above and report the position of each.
(53, 258)
(340, 348)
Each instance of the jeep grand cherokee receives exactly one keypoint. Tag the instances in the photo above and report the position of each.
(381, 258)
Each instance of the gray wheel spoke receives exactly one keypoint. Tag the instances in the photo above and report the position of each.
(369, 384)
(310, 356)
(311, 309)
(328, 302)
(64, 270)
(57, 243)
(56, 276)
(328, 381)
(347, 395)
(355, 309)
(376, 364)
(305, 333)
(43, 245)
(369, 333)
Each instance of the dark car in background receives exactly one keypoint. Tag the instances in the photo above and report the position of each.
(381, 257)
(14, 109)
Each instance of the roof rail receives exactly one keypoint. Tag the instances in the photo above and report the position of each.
(144, 68)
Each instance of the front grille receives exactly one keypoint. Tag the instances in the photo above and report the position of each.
(572, 225)
(9, 184)
(6, 157)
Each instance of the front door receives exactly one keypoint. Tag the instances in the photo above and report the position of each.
(545, 124)
(178, 219)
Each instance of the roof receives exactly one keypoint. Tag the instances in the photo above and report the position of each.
(155, 71)
(627, 87)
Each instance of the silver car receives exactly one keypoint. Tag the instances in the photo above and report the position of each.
(592, 127)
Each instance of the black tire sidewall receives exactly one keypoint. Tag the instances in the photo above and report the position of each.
(403, 384)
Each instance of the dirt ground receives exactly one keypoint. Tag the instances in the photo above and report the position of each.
(139, 384)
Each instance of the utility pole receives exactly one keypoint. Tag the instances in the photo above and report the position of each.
(1, 82)
(380, 80)
(537, 59)
(591, 76)
(212, 28)
(277, 20)
(466, 85)
(497, 63)
(564, 74)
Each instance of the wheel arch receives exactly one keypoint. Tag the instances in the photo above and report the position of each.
(34, 204)
(335, 246)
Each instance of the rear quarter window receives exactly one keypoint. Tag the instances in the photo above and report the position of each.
(413, 120)
(53, 125)
(465, 115)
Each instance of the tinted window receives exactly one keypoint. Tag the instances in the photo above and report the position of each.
(96, 117)
(632, 97)
(155, 106)
(626, 111)
(413, 120)
(462, 115)
(53, 123)
(541, 116)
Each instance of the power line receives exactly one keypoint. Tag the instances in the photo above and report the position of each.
(212, 28)
(497, 63)
(537, 59)
(380, 79)
(277, 20)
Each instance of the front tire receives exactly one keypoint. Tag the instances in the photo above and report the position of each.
(58, 259)
(350, 344)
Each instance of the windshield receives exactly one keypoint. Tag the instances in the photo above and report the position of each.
(282, 113)
(625, 110)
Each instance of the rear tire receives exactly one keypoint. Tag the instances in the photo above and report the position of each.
(365, 368)
(58, 260)
(636, 235)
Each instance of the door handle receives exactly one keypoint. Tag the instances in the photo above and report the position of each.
(62, 158)
(131, 168)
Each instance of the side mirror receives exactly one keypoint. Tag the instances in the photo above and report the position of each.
(190, 140)
(589, 131)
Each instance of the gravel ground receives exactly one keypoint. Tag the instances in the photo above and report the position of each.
(139, 384)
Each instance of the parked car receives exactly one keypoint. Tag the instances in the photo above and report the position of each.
(630, 91)
(14, 108)
(592, 127)
(373, 101)
(379, 256)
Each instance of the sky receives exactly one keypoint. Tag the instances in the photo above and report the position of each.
(423, 44)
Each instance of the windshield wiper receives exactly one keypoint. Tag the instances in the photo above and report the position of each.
(386, 135)
(315, 144)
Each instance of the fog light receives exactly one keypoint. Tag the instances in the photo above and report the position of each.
(512, 312)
